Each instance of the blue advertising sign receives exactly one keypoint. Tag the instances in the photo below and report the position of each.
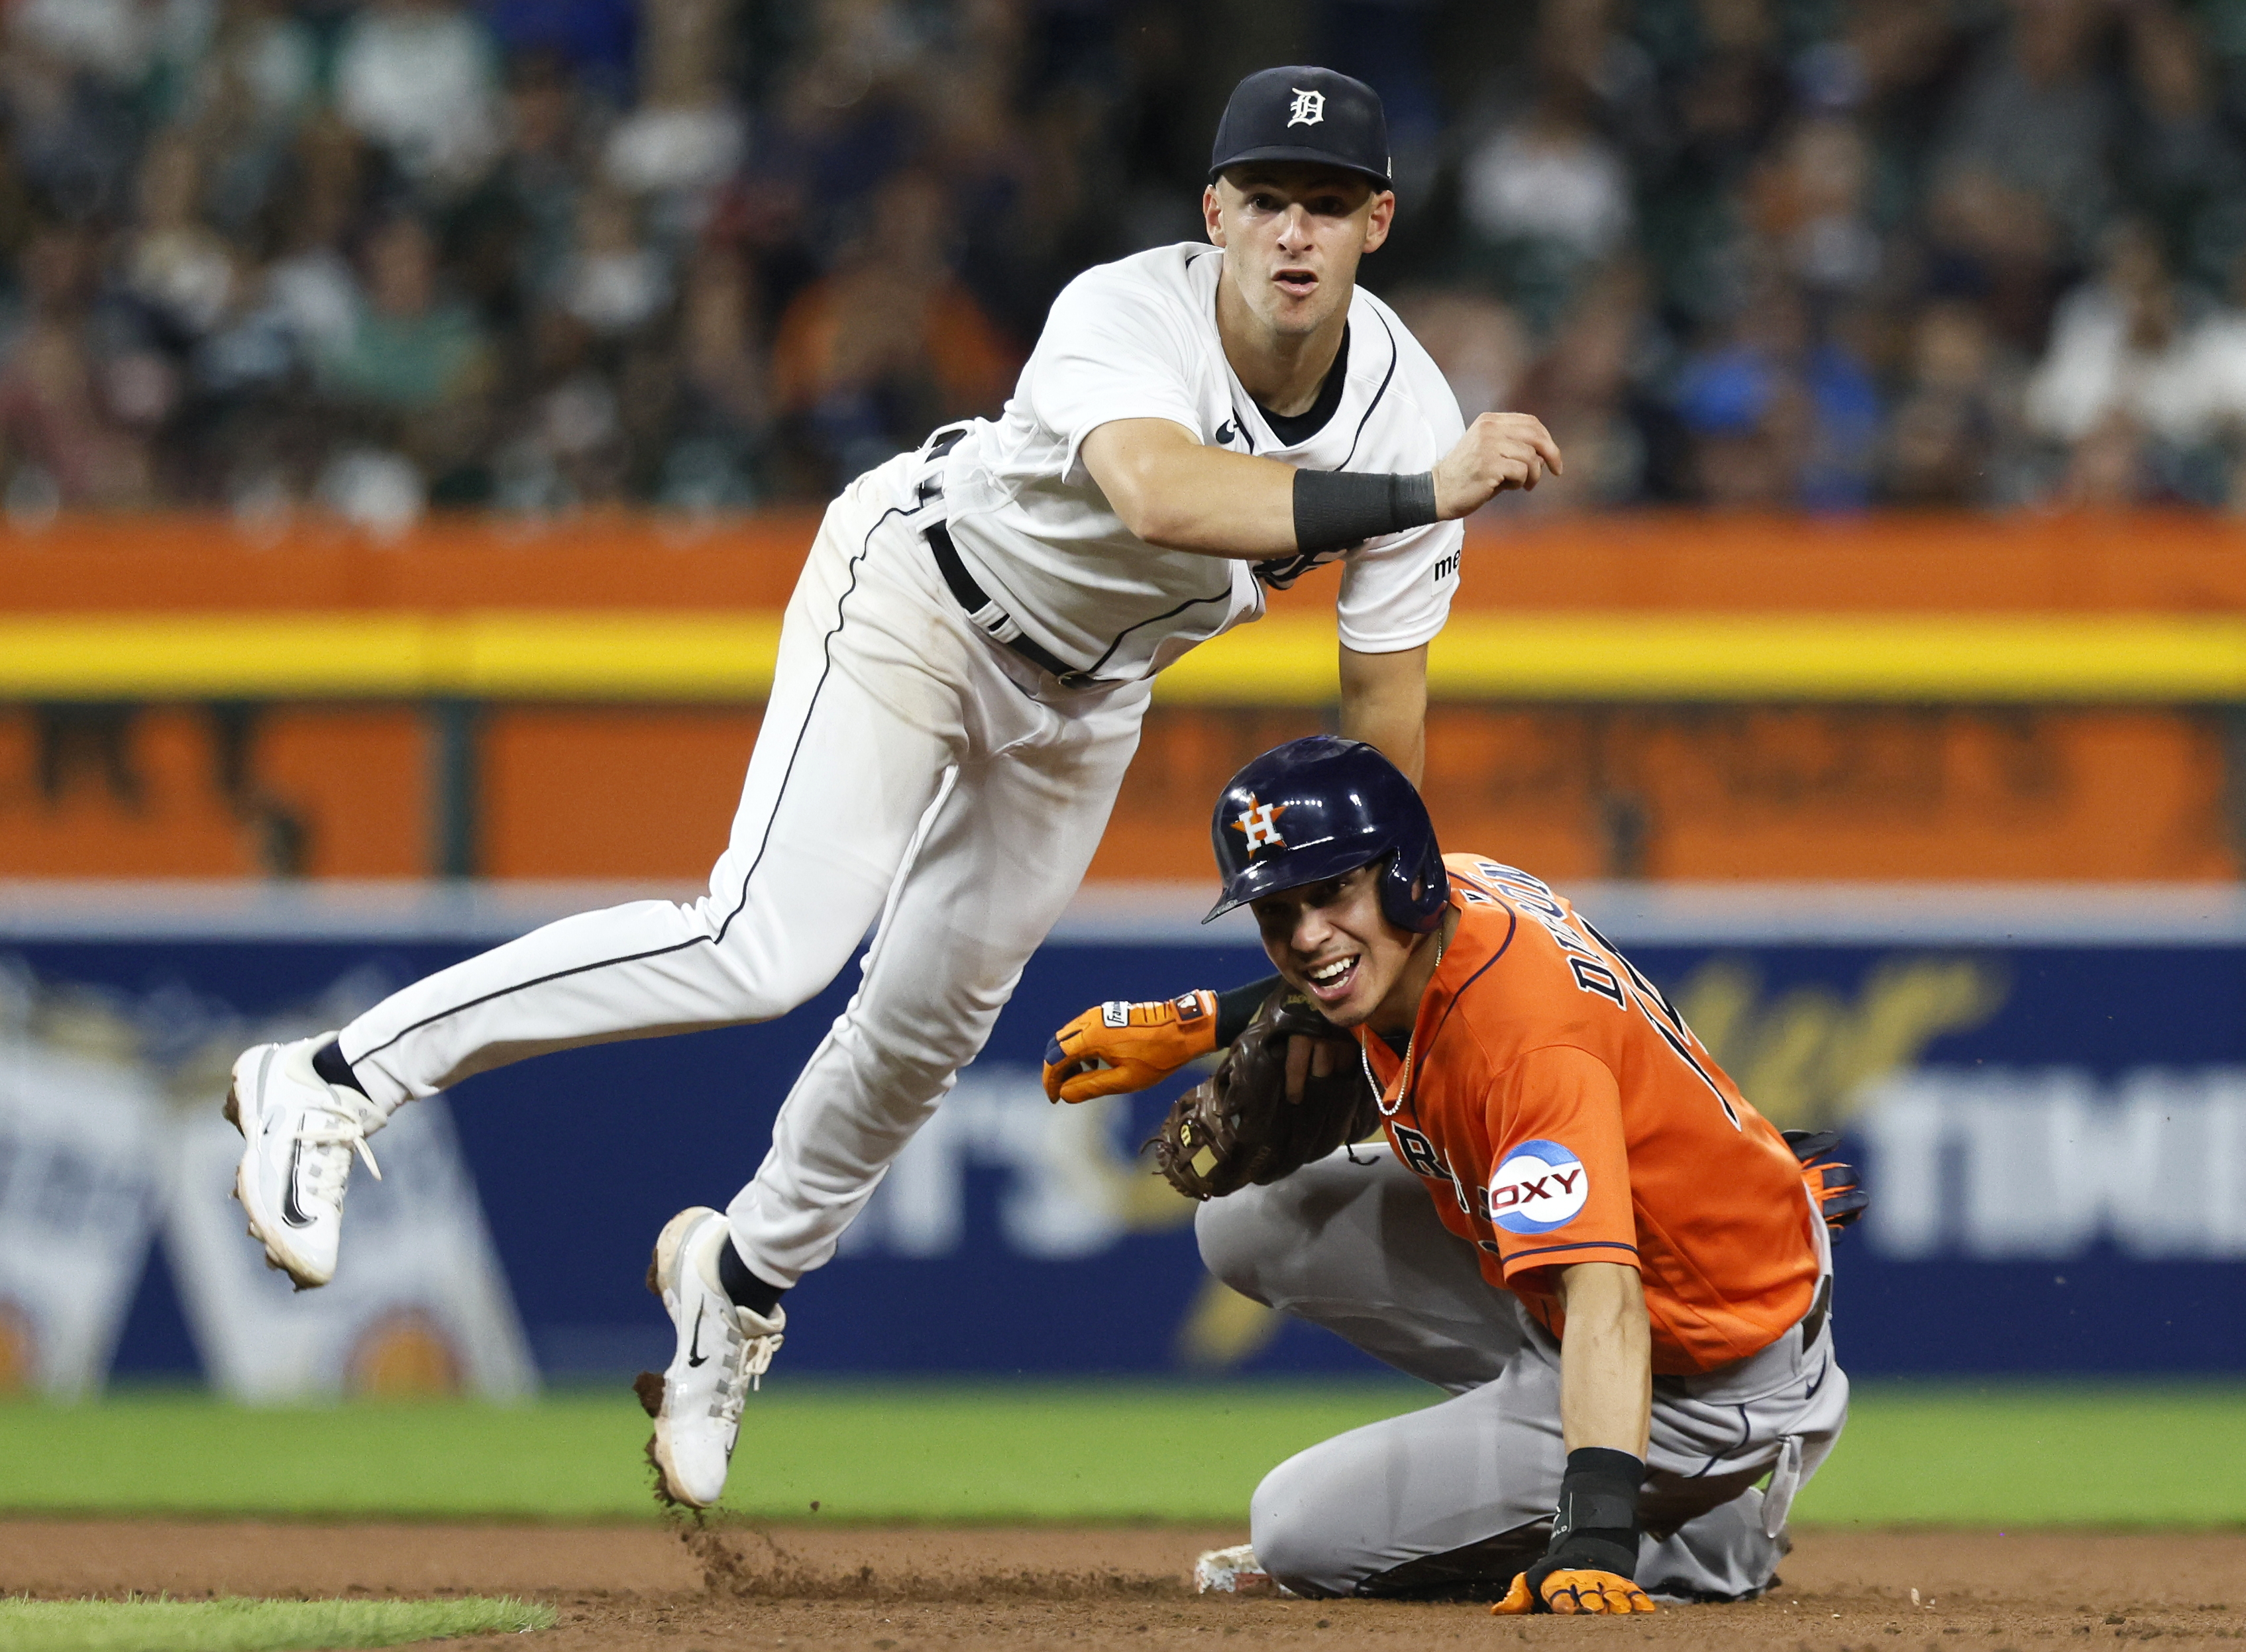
(2045, 1090)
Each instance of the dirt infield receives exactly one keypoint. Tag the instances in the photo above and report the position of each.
(899, 1590)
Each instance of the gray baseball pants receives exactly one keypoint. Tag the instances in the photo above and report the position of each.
(1454, 1501)
(910, 770)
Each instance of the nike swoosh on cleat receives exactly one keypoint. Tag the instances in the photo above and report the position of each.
(291, 1212)
(694, 1354)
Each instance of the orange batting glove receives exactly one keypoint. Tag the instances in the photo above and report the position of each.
(1121, 1047)
(1586, 1567)
(1570, 1592)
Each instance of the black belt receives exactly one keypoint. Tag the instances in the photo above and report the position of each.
(987, 616)
(983, 614)
(1814, 1321)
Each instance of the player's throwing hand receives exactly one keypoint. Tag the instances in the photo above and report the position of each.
(1499, 451)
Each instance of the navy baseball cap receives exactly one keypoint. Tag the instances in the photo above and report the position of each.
(1304, 114)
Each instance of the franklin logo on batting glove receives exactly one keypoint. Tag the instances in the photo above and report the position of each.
(1540, 1187)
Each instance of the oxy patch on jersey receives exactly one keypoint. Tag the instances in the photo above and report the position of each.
(1540, 1187)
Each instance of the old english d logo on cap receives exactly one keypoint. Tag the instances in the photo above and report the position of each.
(1304, 113)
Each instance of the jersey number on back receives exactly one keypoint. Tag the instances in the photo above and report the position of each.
(1594, 966)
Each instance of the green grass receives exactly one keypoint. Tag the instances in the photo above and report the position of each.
(989, 1452)
(2146, 1455)
(252, 1626)
(2143, 1455)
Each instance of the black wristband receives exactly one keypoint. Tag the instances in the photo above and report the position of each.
(1598, 1492)
(1595, 1524)
(1237, 1007)
(1335, 509)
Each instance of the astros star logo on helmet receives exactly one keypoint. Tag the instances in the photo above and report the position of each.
(1259, 823)
(1308, 109)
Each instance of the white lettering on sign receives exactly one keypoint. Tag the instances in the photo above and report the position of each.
(2000, 1165)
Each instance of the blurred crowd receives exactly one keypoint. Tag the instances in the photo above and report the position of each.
(537, 256)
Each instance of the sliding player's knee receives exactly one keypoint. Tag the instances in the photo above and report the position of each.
(1293, 1526)
(1240, 1244)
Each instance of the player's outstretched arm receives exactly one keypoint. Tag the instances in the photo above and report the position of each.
(1172, 490)
(1606, 1400)
(1606, 1359)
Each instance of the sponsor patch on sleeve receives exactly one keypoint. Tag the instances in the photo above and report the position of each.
(1540, 1187)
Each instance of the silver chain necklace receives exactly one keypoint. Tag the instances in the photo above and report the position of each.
(1410, 1047)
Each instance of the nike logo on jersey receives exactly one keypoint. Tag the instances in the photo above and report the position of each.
(694, 1354)
(1225, 432)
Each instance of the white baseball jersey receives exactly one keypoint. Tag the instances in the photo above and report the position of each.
(1138, 339)
(908, 771)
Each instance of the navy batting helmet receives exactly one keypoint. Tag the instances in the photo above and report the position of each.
(1317, 808)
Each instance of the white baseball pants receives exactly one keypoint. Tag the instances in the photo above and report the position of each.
(1456, 1500)
(910, 770)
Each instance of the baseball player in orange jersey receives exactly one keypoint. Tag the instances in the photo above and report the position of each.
(1578, 1225)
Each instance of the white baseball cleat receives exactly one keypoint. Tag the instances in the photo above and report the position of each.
(298, 1133)
(723, 1351)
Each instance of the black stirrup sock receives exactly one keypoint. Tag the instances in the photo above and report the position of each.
(760, 1296)
(328, 1062)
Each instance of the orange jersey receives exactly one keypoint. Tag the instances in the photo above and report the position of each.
(1561, 1111)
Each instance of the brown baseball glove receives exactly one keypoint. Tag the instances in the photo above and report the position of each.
(1238, 1127)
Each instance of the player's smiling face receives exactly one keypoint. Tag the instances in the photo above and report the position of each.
(1292, 234)
(1331, 941)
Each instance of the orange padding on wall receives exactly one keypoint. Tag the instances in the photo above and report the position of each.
(1569, 792)
(2144, 561)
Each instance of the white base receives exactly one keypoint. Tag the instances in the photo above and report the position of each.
(1235, 1571)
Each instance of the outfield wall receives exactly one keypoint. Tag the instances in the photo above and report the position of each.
(2046, 1085)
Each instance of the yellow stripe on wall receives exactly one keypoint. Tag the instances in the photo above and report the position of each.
(1717, 657)
(1284, 661)
(514, 656)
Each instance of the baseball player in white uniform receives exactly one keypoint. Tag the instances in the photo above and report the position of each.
(961, 674)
